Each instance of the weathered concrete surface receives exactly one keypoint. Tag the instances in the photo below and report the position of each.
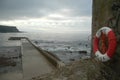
(102, 16)
(10, 63)
(34, 63)
(11, 76)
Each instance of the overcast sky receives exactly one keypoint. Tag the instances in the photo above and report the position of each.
(47, 15)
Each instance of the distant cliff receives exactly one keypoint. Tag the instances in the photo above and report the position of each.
(6, 29)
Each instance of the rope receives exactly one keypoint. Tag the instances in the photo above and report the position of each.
(104, 42)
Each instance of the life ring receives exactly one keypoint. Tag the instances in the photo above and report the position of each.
(112, 43)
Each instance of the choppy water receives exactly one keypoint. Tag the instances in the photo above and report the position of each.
(64, 45)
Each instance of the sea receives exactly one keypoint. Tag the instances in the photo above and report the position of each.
(67, 46)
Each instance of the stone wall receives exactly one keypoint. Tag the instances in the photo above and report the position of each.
(104, 14)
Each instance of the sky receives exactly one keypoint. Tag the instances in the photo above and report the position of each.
(47, 15)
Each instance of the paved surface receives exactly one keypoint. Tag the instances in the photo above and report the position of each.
(34, 63)
(11, 76)
(10, 63)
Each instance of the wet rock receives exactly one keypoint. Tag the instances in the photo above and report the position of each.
(36, 42)
(80, 43)
(83, 52)
(72, 59)
(86, 45)
(71, 52)
(68, 47)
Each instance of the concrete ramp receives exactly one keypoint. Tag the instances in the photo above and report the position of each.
(34, 63)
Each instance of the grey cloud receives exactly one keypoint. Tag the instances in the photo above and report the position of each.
(15, 9)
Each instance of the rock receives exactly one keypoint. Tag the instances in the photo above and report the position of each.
(89, 69)
(72, 59)
(83, 52)
(68, 47)
(36, 42)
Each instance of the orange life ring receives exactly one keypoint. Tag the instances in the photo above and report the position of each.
(112, 43)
